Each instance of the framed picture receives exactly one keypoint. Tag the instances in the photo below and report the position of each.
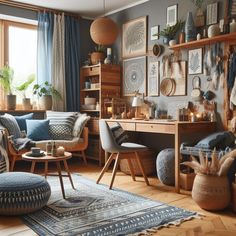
(153, 76)
(134, 76)
(232, 8)
(154, 32)
(134, 37)
(195, 61)
(171, 15)
(212, 14)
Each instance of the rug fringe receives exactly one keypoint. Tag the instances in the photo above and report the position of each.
(151, 231)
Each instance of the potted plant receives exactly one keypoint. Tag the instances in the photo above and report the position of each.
(211, 190)
(46, 92)
(170, 31)
(6, 78)
(98, 55)
(22, 88)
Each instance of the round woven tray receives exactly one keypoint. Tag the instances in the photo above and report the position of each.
(167, 86)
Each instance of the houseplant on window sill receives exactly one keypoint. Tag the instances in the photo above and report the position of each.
(211, 189)
(6, 79)
(22, 88)
(46, 92)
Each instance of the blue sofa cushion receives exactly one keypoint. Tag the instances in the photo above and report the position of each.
(21, 120)
(38, 129)
(10, 123)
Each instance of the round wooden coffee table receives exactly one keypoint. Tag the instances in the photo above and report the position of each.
(45, 159)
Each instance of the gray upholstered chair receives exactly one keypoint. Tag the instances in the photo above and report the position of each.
(124, 151)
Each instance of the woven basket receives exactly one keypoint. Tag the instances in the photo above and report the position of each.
(148, 159)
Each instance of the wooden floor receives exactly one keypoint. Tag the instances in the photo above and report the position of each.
(213, 223)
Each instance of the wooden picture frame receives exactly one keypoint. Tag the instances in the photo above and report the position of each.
(134, 76)
(171, 15)
(153, 84)
(212, 13)
(195, 61)
(134, 37)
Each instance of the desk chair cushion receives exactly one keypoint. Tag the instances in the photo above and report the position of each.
(119, 134)
(134, 146)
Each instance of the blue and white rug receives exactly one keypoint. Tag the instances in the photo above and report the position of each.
(93, 209)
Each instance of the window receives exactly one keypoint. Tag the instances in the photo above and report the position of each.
(21, 53)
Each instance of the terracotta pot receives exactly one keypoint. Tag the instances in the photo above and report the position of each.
(97, 57)
(45, 102)
(11, 102)
(211, 192)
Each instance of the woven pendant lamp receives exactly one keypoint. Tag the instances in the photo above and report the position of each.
(103, 30)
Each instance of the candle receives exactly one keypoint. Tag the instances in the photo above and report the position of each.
(60, 151)
(109, 110)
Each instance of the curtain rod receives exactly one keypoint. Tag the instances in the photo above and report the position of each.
(34, 7)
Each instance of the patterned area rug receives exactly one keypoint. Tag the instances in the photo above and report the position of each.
(93, 209)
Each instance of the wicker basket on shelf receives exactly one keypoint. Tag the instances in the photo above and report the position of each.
(148, 158)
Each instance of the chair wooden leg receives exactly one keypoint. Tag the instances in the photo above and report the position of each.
(84, 157)
(131, 168)
(12, 165)
(140, 164)
(106, 166)
(114, 170)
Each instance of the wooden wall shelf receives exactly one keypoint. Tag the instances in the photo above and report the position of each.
(206, 41)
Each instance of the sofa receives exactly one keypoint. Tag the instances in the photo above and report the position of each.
(67, 129)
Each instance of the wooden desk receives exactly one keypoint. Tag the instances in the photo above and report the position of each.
(176, 128)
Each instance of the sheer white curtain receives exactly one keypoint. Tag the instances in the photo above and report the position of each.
(58, 62)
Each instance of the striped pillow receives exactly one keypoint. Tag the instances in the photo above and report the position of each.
(61, 124)
(10, 123)
(119, 134)
(4, 162)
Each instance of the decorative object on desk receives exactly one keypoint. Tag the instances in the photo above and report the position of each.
(154, 32)
(46, 92)
(232, 26)
(22, 88)
(98, 55)
(108, 59)
(134, 42)
(113, 107)
(211, 190)
(171, 15)
(195, 61)
(134, 76)
(153, 77)
(137, 102)
(170, 31)
(190, 29)
(212, 14)
(127, 210)
(104, 30)
(213, 30)
(196, 93)
(6, 80)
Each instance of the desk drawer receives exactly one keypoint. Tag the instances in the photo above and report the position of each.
(156, 128)
(125, 125)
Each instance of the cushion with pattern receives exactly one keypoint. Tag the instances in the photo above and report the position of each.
(10, 123)
(61, 124)
(119, 134)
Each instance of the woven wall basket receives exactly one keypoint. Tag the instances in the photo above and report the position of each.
(148, 159)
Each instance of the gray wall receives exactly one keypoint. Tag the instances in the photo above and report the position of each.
(156, 12)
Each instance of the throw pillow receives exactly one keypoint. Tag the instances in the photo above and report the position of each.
(119, 134)
(10, 123)
(38, 129)
(212, 141)
(4, 161)
(79, 124)
(61, 124)
(21, 120)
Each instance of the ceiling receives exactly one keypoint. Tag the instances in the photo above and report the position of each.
(85, 8)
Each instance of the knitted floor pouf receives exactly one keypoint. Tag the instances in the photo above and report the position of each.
(22, 193)
(165, 165)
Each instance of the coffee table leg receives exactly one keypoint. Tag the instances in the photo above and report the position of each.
(32, 167)
(68, 172)
(46, 169)
(60, 178)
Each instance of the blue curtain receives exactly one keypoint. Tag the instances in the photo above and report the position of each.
(72, 63)
(44, 47)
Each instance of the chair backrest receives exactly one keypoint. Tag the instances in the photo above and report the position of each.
(108, 141)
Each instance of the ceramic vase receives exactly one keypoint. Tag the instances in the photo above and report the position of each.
(26, 104)
(211, 192)
(213, 31)
(190, 29)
